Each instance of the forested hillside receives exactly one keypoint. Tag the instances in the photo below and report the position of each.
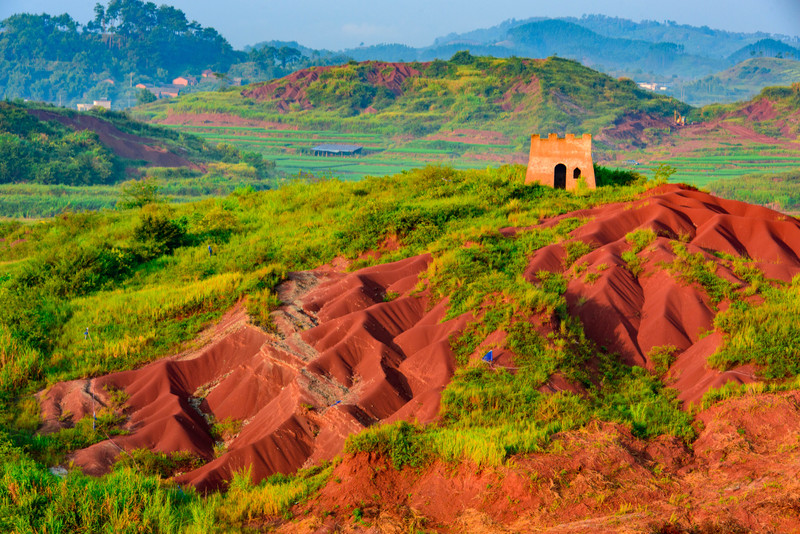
(55, 59)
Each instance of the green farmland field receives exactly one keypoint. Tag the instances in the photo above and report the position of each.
(290, 150)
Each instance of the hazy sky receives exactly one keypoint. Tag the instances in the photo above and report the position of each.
(340, 24)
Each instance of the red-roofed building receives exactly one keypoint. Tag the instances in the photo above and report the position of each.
(185, 81)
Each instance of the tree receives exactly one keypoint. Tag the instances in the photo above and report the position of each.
(287, 55)
(462, 57)
(144, 96)
(663, 172)
(138, 193)
(156, 233)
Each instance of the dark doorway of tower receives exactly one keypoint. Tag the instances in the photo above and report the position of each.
(560, 177)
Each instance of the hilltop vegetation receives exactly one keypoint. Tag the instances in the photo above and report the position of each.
(514, 96)
(34, 151)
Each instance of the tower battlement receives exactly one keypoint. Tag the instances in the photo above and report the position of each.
(560, 162)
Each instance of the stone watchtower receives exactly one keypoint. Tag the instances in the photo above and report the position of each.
(559, 163)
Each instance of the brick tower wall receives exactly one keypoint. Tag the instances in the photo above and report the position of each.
(573, 152)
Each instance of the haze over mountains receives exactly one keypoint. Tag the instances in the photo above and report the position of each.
(58, 60)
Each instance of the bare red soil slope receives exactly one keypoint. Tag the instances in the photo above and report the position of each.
(341, 359)
(123, 144)
(631, 314)
(739, 475)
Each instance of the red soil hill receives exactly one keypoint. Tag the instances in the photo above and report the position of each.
(343, 357)
(631, 314)
(292, 89)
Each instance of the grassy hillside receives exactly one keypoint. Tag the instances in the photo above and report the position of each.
(393, 103)
(86, 294)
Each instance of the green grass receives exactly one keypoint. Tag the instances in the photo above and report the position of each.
(762, 334)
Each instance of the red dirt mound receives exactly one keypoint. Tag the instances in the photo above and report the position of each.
(344, 355)
(341, 359)
(293, 89)
(634, 311)
(123, 144)
(635, 129)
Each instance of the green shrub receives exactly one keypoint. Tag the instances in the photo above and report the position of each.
(662, 358)
(635, 263)
(161, 464)
(694, 268)
(639, 239)
(402, 443)
(605, 177)
(156, 234)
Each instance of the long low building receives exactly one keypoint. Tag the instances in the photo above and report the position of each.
(333, 149)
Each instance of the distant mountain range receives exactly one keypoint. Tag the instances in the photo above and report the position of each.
(741, 81)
